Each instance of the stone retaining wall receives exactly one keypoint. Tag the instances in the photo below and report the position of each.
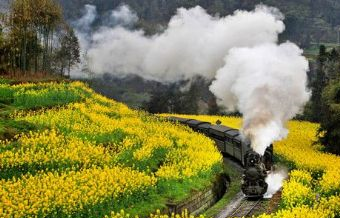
(202, 200)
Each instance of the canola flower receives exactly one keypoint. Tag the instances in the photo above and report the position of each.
(296, 194)
(90, 150)
(43, 194)
(50, 148)
(299, 212)
(324, 208)
(301, 176)
(188, 152)
(158, 214)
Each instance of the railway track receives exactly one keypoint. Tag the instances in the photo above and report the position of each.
(239, 205)
(245, 208)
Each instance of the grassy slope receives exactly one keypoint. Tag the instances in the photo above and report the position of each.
(233, 189)
(9, 127)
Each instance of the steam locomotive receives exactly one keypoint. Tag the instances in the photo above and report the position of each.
(229, 142)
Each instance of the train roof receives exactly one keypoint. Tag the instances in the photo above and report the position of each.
(178, 119)
(195, 123)
(232, 133)
(238, 138)
(204, 125)
(219, 130)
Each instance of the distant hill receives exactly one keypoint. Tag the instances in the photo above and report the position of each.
(306, 20)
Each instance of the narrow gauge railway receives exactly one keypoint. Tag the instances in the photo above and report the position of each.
(245, 208)
(229, 142)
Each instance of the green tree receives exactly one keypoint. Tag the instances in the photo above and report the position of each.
(318, 84)
(216, 7)
(69, 53)
(31, 28)
(49, 17)
(2, 51)
(329, 132)
(332, 67)
(213, 108)
(162, 102)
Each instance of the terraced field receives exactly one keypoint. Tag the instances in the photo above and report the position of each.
(69, 152)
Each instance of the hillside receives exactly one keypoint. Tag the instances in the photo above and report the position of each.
(306, 20)
(69, 152)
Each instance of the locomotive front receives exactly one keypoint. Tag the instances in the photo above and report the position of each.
(255, 173)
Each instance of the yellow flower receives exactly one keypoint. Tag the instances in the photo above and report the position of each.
(76, 159)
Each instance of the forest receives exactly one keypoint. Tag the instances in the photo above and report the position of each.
(307, 21)
(34, 37)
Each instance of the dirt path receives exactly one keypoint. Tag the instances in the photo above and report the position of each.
(232, 206)
(238, 198)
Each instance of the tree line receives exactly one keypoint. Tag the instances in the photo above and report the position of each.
(324, 106)
(34, 37)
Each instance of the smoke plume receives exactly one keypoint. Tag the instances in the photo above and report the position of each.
(275, 180)
(267, 84)
(123, 16)
(194, 43)
(252, 73)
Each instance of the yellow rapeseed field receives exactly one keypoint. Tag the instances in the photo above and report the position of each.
(89, 156)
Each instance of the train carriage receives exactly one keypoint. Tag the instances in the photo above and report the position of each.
(218, 133)
(238, 148)
(179, 120)
(194, 124)
(204, 128)
(230, 142)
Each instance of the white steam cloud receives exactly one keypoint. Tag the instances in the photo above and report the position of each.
(252, 73)
(275, 180)
(123, 16)
(83, 27)
(84, 23)
(194, 43)
(267, 84)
